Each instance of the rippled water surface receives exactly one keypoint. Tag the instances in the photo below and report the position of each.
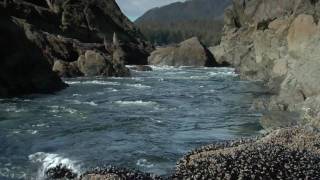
(145, 122)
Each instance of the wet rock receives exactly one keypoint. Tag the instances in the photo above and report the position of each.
(93, 64)
(65, 69)
(190, 52)
(60, 172)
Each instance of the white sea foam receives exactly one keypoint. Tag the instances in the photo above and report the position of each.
(165, 68)
(48, 161)
(224, 73)
(137, 103)
(91, 103)
(98, 82)
(12, 172)
(33, 132)
(144, 163)
(15, 109)
(58, 109)
(140, 86)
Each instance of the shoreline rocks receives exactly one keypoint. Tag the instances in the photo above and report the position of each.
(283, 154)
(190, 52)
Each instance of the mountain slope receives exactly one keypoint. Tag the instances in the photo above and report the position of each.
(181, 20)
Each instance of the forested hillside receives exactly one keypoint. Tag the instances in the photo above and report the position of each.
(181, 20)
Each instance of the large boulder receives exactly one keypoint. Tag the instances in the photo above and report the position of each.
(23, 68)
(93, 64)
(190, 52)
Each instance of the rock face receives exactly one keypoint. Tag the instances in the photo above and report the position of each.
(66, 31)
(276, 41)
(188, 53)
(23, 68)
(291, 153)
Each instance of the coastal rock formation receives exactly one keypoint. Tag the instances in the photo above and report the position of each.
(291, 153)
(66, 30)
(23, 68)
(190, 52)
(277, 42)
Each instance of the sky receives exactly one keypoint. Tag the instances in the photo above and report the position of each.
(135, 8)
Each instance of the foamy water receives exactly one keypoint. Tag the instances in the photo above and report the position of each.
(145, 122)
(47, 161)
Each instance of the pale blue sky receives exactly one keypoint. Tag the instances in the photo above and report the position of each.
(135, 8)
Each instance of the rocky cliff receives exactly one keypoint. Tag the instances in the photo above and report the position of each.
(276, 41)
(66, 30)
(23, 68)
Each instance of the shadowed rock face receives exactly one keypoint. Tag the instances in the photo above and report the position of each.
(276, 41)
(190, 52)
(23, 68)
(66, 30)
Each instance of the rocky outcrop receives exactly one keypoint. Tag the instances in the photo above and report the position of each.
(67, 30)
(23, 68)
(291, 153)
(277, 42)
(190, 52)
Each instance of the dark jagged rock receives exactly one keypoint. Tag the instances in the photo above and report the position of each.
(283, 154)
(60, 172)
(23, 68)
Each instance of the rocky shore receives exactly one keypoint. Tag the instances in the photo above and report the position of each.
(274, 41)
(290, 153)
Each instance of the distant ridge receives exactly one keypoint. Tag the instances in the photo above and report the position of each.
(181, 20)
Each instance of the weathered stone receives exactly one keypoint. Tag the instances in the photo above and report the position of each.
(279, 119)
(188, 53)
(93, 64)
(276, 42)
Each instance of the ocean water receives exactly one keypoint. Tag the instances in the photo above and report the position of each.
(145, 122)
